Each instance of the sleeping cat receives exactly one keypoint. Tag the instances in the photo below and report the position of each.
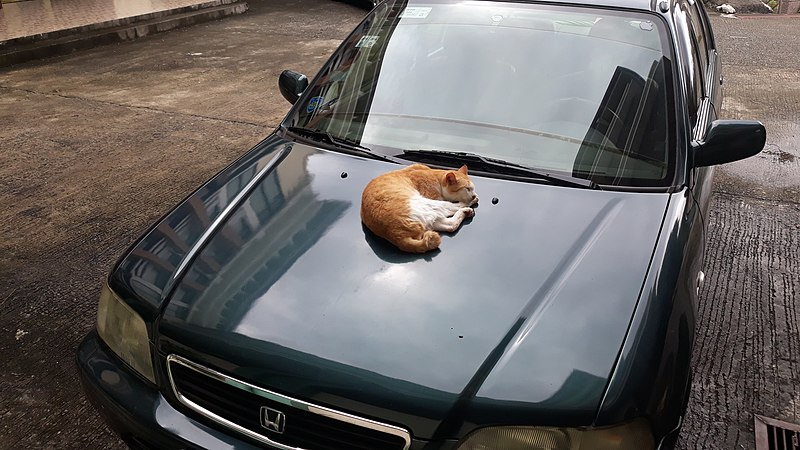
(408, 206)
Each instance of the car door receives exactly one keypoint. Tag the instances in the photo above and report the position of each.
(700, 64)
(707, 91)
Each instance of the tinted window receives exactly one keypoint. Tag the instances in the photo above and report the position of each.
(699, 35)
(699, 67)
(703, 28)
(575, 90)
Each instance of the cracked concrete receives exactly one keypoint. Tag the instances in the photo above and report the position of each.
(97, 145)
(147, 108)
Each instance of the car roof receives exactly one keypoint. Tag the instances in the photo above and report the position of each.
(646, 5)
(642, 5)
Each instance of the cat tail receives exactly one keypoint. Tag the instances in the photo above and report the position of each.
(430, 241)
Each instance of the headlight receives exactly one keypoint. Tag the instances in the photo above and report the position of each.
(635, 435)
(124, 332)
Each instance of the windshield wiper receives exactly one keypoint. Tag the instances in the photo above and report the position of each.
(338, 142)
(499, 166)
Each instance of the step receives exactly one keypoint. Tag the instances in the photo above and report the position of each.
(60, 42)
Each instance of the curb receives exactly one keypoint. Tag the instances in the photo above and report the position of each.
(27, 48)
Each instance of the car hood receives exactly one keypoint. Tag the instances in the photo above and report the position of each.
(519, 318)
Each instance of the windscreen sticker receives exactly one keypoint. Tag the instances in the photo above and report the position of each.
(415, 12)
(367, 41)
(313, 104)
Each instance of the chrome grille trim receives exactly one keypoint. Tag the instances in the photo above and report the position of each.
(289, 401)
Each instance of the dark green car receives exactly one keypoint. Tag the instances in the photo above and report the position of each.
(261, 313)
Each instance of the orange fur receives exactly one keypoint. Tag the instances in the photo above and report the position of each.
(386, 204)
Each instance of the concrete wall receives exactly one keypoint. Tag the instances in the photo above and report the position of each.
(789, 7)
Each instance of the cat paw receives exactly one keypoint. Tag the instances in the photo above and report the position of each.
(468, 212)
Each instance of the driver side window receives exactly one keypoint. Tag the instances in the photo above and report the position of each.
(699, 66)
(702, 46)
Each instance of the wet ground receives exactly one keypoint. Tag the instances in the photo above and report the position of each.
(746, 358)
(97, 145)
(761, 64)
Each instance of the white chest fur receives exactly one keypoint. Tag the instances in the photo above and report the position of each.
(437, 215)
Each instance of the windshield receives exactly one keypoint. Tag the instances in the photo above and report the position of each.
(573, 90)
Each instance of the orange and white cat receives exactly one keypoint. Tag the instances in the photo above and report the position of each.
(407, 207)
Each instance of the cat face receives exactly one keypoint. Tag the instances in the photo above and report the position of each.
(459, 188)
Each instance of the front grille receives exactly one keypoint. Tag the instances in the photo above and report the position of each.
(238, 405)
(774, 434)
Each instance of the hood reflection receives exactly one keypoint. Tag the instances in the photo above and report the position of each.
(281, 220)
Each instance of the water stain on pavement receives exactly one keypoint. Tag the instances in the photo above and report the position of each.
(777, 155)
(772, 174)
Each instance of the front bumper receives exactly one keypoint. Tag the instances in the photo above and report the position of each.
(137, 411)
(144, 418)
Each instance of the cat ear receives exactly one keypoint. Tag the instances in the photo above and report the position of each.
(463, 169)
(450, 178)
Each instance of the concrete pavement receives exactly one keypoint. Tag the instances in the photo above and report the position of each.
(761, 65)
(94, 147)
(746, 357)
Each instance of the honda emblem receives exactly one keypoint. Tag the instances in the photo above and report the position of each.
(273, 419)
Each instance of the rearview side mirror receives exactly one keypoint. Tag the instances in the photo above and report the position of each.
(292, 84)
(728, 141)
